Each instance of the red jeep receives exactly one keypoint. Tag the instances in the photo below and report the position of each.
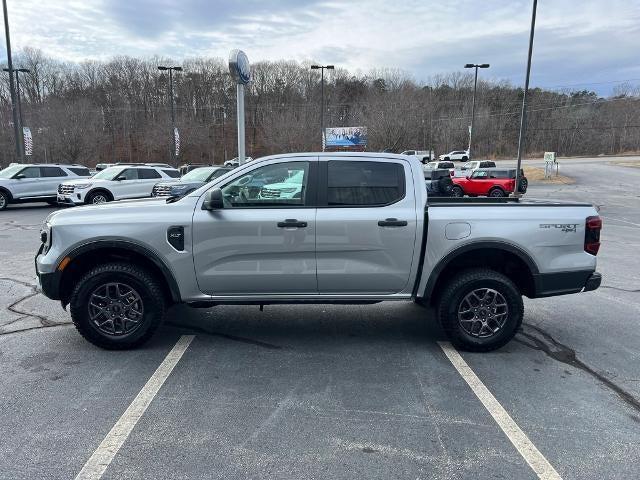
(489, 182)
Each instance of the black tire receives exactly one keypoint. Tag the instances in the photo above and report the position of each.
(4, 200)
(446, 159)
(456, 191)
(497, 192)
(524, 184)
(97, 197)
(143, 288)
(465, 158)
(453, 299)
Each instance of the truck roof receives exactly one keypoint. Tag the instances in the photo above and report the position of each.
(343, 155)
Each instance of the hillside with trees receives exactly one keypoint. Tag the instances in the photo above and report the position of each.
(118, 110)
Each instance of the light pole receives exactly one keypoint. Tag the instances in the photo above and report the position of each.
(523, 114)
(173, 114)
(473, 105)
(11, 85)
(322, 69)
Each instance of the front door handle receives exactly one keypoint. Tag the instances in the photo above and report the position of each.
(392, 222)
(292, 223)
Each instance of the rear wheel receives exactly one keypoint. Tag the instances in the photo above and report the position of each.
(4, 200)
(117, 306)
(456, 191)
(480, 310)
(524, 184)
(497, 193)
(97, 198)
(465, 158)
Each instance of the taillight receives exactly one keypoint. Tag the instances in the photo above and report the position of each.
(593, 225)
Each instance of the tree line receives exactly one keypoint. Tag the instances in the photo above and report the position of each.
(119, 110)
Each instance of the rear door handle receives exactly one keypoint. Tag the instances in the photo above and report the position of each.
(292, 223)
(392, 222)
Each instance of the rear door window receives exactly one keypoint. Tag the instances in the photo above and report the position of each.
(364, 183)
(148, 174)
(80, 171)
(52, 172)
(172, 173)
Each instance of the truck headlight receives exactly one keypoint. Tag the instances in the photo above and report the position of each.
(81, 186)
(288, 190)
(46, 233)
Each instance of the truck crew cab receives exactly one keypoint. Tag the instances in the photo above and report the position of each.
(361, 231)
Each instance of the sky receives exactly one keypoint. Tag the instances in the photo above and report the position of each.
(579, 44)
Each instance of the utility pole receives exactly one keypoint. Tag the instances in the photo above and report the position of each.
(473, 105)
(523, 114)
(322, 69)
(174, 153)
(16, 128)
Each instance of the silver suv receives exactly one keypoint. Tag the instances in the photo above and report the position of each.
(116, 183)
(21, 183)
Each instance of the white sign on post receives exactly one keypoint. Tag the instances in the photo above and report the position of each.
(550, 156)
(28, 141)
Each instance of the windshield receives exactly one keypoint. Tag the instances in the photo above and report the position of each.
(10, 171)
(198, 175)
(108, 173)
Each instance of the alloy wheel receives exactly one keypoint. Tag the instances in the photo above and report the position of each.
(116, 309)
(483, 312)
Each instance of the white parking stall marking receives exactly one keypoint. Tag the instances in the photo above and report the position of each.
(527, 449)
(107, 450)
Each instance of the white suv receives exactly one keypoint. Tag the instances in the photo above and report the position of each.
(462, 155)
(21, 183)
(115, 183)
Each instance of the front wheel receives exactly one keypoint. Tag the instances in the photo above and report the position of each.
(480, 310)
(117, 306)
(456, 191)
(4, 200)
(97, 198)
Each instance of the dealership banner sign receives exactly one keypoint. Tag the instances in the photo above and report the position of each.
(176, 137)
(346, 138)
(28, 141)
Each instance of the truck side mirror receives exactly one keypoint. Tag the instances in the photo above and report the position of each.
(213, 200)
(20, 176)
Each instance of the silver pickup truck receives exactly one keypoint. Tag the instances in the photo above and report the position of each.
(356, 228)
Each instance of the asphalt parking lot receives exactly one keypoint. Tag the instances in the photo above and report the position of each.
(331, 391)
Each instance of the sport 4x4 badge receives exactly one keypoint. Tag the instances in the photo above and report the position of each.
(565, 227)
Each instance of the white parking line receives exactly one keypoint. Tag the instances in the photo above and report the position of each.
(527, 449)
(107, 450)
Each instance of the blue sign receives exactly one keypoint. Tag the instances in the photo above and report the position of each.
(346, 137)
(239, 66)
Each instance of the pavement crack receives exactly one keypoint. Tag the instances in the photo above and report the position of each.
(562, 353)
(14, 307)
(621, 289)
(228, 336)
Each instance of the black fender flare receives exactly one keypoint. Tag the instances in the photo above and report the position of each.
(147, 252)
(490, 244)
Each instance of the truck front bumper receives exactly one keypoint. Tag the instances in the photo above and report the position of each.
(49, 283)
(563, 283)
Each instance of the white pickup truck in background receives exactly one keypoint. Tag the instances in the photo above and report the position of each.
(358, 228)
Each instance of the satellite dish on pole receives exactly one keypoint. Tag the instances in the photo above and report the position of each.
(240, 70)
